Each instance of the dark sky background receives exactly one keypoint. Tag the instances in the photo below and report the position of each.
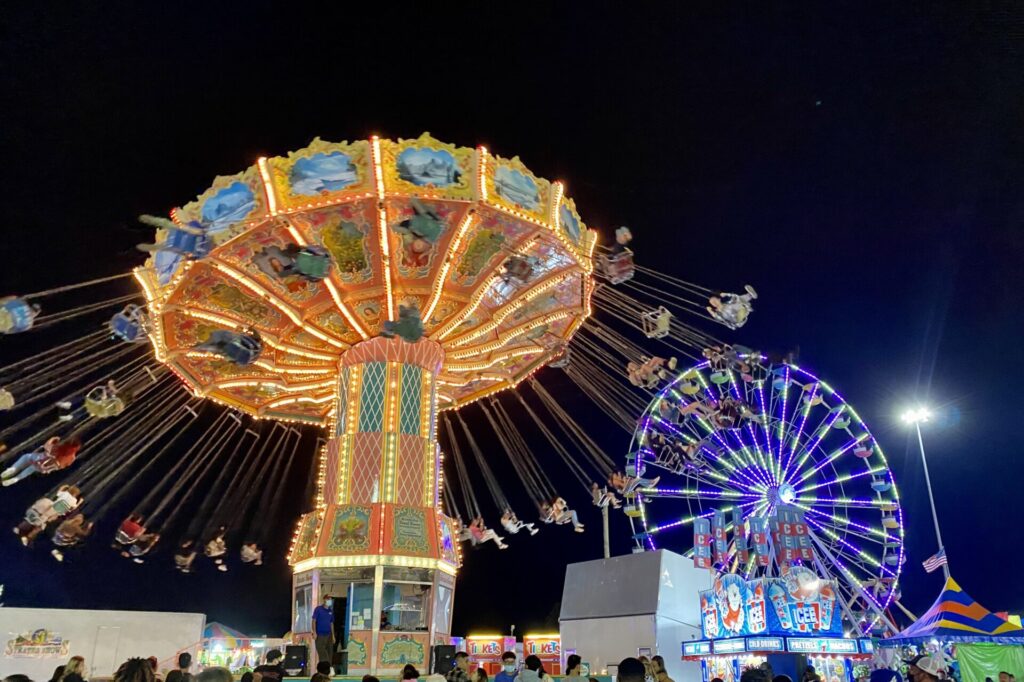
(861, 165)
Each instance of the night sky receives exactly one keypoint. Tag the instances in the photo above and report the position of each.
(861, 166)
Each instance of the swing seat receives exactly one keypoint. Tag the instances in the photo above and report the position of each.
(618, 267)
(632, 511)
(519, 268)
(719, 378)
(16, 315)
(690, 387)
(841, 423)
(892, 559)
(129, 324)
(656, 323)
(863, 451)
(890, 522)
(633, 470)
(244, 350)
(880, 485)
(780, 383)
(561, 359)
(888, 506)
(194, 245)
(313, 263)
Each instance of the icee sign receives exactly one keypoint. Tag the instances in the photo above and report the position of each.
(799, 603)
(806, 617)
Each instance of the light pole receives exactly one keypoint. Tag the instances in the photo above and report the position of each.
(916, 417)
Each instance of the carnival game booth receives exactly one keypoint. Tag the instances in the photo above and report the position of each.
(485, 651)
(35, 641)
(547, 647)
(228, 648)
(789, 622)
(980, 642)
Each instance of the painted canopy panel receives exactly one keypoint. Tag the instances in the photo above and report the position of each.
(496, 260)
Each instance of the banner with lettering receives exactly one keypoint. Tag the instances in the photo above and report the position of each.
(702, 543)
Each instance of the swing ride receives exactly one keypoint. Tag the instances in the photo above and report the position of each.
(348, 297)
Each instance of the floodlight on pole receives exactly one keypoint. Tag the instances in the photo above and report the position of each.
(917, 416)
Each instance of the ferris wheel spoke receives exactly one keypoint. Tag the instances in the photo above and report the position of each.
(707, 452)
(843, 502)
(863, 559)
(689, 519)
(853, 527)
(792, 440)
(822, 430)
(842, 479)
(697, 494)
(762, 420)
(832, 456)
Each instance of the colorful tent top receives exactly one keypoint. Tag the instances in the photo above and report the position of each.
(229, 637)
(956, 617)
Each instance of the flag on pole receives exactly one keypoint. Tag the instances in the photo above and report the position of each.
(933, 562)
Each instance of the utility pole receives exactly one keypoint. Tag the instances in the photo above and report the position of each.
(604, 524)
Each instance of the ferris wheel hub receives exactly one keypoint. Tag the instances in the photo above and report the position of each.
(780, 494)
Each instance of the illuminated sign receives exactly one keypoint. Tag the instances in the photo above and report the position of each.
(729, 646)
(796, 604)
(765, 644)
(696, 648)
(867, 646)
(821, 645)
(545, 646)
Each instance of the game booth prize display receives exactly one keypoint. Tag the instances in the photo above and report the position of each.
(789, 622)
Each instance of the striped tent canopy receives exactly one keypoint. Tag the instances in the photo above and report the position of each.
(228, 637)
(956, 617)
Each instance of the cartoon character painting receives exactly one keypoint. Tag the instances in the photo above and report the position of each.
(730, 595)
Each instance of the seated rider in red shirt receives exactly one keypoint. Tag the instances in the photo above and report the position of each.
(54, 456)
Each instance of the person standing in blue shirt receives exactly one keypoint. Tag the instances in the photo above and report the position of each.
(508, 668)
(323, 630)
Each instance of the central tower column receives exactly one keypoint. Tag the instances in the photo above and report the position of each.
(377, 541)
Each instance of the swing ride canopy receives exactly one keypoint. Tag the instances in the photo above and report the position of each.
(356, 200)
(957, 617)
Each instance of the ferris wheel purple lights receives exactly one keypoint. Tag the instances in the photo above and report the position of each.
(759, 438)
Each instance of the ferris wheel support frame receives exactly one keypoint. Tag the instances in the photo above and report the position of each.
(868, 599)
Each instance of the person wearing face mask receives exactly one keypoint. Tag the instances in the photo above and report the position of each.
(509, 671)
(323, 629)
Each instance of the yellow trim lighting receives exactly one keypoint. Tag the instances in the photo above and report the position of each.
(367, 560)
(268, 185)
(467, 221)
(382, 225)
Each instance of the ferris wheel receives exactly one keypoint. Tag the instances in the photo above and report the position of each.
(739, 432)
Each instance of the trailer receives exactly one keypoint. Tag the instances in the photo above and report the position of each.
(35, 641)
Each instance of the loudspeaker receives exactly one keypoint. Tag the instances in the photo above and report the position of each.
(442, 658)
(296, 660)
